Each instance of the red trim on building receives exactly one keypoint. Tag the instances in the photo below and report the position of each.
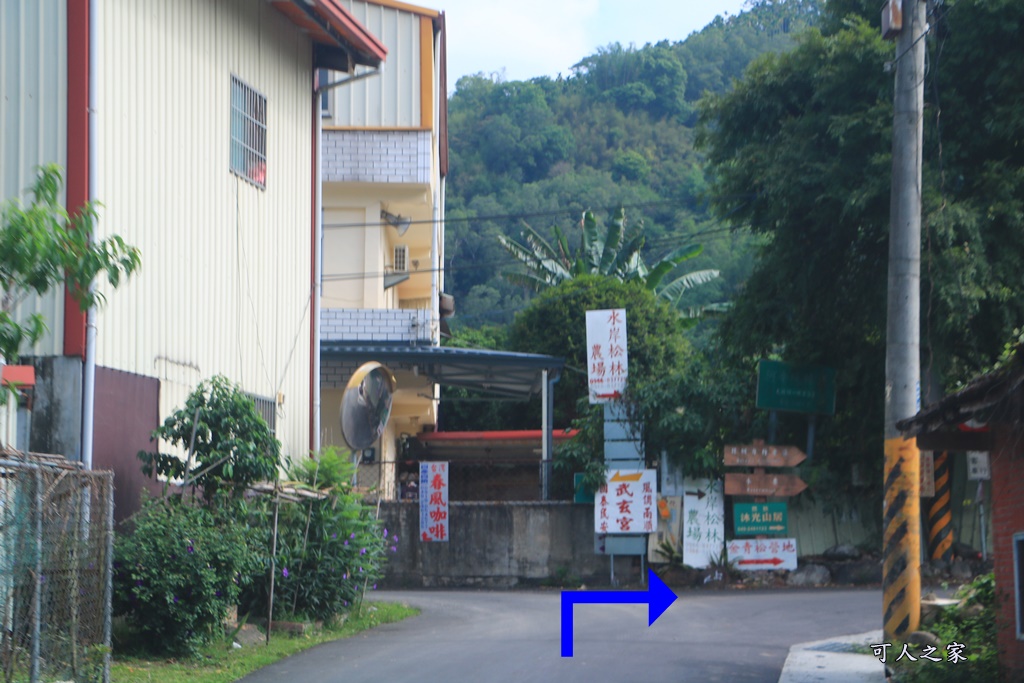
(19, 375)
(77, 173)
(312, 265)
(508, 435)
(339, 21)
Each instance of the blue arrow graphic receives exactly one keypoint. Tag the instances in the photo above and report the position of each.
(658, 597)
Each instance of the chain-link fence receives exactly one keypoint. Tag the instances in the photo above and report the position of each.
(469, 479)
(56, 550)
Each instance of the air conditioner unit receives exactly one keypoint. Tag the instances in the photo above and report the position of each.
(401, 260)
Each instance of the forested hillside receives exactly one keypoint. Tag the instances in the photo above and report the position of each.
(789, 194)
(617, 131)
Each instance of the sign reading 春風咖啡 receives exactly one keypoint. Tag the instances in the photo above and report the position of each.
(433, 501)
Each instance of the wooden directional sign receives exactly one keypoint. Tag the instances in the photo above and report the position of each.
(758, 454)
(763, 484)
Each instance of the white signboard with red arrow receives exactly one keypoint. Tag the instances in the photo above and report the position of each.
(607, 361)
(755, 554)
(703, 521)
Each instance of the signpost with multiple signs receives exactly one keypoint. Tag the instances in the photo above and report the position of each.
(433, 501)
(762, 518)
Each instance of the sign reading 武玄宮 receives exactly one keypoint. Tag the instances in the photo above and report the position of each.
(759, 519)
(626, 503)
(433, 501)
(775, 553)
(607, 361)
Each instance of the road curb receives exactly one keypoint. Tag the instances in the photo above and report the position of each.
(834, 660)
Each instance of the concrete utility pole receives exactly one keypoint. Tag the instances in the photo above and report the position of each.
(901, 572)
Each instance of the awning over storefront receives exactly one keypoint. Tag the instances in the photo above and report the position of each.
(502, 374)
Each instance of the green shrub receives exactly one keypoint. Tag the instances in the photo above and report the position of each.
(180, 570)
(969, 626)
(233, 446)
(328, 550)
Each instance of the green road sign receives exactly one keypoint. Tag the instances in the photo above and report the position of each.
(796, 388)
(760, 519)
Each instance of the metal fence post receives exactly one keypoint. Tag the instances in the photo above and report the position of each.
(37, 583)
(108, 587)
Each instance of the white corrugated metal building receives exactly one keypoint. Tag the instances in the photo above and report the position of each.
(201, 149)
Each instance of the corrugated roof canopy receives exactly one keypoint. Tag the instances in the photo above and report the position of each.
(500, 373)
(341, 40)
(989, 398)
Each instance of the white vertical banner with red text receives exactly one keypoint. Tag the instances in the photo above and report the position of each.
(627, 503)
(607, 361)
(433, 501)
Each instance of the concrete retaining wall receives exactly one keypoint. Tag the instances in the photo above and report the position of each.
(500, 545)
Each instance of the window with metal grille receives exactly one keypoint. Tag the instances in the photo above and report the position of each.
(267, 408)
(248, 133)
(401, 258)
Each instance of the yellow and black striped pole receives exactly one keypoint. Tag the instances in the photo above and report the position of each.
(940, 517)
(901, 566)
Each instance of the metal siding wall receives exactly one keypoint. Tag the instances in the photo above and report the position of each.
(224, 285)
(392, 99)
(33, 121)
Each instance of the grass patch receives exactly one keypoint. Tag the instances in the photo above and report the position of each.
(220, 663)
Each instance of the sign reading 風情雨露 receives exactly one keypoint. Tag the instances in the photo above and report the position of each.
(433, 501)
(607, 361)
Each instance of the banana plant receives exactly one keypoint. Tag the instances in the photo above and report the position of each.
(610, 254)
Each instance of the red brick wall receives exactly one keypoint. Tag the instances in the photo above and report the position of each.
(1007, 460)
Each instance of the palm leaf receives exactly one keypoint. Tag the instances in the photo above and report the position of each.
(670, 261)
(592, 243)
(629, 263)
(673, 290)
(612, 242)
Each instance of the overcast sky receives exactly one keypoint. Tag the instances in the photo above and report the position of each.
(529, 38)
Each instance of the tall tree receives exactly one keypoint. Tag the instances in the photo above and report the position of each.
(799, 153)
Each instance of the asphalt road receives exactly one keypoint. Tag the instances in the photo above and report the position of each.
(514, 637)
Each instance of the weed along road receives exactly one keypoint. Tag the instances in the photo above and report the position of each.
(514, 637)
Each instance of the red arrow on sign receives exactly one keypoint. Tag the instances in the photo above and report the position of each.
(615, 394)
(774, 560)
